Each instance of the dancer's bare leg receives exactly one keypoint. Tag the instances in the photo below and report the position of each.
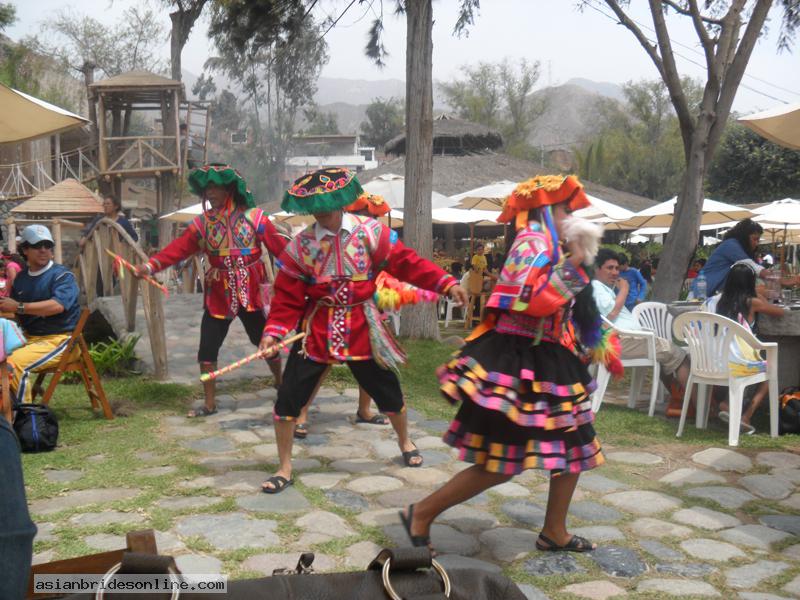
(756, 400)
(463, 486)
(400, 423)
(558, 500)
(209, 390)
(284, 438)
(364, 404)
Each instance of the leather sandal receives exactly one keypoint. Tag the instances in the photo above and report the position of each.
(575, 544)
(301, 431)
(203, 411)
(407, 456)
(416, 540)
(279, 484)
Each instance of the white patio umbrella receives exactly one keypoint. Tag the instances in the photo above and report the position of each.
(661, 214)
(602, 211)
(184, 215)
(780, 125)
(638, 239)
(478, 218)
(392, 188)
(781, 212)
(486, 197)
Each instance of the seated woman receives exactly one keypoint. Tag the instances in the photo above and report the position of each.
(740, 303)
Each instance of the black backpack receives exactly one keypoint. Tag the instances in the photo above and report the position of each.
(789, 415)
(36, 427)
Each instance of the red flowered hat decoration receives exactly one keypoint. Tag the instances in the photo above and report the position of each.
(543, 190)
(323, 190)
(374, 204)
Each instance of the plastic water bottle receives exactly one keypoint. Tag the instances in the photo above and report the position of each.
(700, 287)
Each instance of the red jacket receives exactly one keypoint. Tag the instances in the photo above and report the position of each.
(331, 280)
(232, 242)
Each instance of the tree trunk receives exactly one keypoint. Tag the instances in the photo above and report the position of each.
(168, 183)
(88, 78)
(685, 230)
(419, 321)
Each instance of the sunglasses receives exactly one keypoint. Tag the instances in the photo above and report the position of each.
(43, 244)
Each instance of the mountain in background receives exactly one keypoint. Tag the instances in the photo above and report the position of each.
(604, 88)
(570, 116)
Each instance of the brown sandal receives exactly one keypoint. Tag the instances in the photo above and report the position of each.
(575, 544)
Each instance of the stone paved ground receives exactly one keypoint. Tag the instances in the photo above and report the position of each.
(182, 314)
(716, 522)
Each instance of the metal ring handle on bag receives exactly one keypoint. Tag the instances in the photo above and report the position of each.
(113, 571)
(387, 585)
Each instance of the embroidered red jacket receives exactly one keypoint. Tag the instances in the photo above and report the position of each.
(232, 242)
(331, 280)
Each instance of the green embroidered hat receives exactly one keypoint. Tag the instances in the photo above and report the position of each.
(223, 175)
(324, 190)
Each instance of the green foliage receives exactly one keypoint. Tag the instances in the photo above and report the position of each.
(204, 86)
(274, 52)
(639, 149)
(384, 121)
(498, 95)
(749, 168)
(23, 69)
(8, 15)
(114, 358)
(133, 43)
(320, 123)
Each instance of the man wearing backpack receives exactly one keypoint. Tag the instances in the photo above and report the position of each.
(45, 299)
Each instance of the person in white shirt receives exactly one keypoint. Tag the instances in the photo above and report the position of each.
(610, 292)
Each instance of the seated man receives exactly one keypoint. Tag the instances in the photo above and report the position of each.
(45, 298)
(610, 292)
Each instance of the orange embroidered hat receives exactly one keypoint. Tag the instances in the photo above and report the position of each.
(543, 190)
(374, 204)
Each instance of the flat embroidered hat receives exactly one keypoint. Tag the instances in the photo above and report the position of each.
(324, 190)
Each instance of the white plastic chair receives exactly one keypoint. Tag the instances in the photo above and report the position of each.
(656, 317)
(637, 364)
(446, 306)
(709, 338)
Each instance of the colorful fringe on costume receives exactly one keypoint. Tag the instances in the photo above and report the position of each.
(392, 294)
(385, 349)
(607, 352)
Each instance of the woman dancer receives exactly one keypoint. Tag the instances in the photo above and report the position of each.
(523, 388)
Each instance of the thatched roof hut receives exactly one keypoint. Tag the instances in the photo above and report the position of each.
(66, 198)
(453, 136)
(455, 174)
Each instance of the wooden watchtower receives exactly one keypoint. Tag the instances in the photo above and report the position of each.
(155, 153)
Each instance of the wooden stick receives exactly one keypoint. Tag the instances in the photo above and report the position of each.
(256, 355)
(148, 278)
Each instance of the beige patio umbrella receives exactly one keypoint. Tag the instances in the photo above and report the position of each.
(392, 188)
(486, 197)
(661, 214)
(780, 125)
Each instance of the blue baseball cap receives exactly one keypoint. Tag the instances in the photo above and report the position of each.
(33, 234)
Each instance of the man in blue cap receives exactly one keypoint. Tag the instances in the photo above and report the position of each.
(45, 299)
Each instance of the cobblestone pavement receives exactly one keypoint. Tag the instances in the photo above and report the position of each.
(182, 315)
(718, 522)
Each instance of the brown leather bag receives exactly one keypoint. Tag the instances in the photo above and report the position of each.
(401, 573)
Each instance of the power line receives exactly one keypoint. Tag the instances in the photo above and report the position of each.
(332, 25)
(702, 66)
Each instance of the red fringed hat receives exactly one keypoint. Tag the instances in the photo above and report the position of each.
(374, 204)
(543, 190)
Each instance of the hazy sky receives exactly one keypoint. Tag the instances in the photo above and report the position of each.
(568, 43)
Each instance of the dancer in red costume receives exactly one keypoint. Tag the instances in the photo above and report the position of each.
(230, 232)
(327, 279)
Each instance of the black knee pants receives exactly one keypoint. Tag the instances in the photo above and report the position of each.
(302, 374)
(213, 332)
